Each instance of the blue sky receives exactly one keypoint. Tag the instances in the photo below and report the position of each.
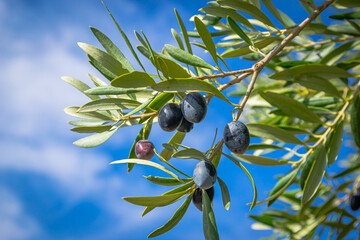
(51, 189)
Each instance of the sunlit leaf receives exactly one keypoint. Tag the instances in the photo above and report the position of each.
(112, 49)
(154, 201)
(82, 87)
(106, 90)
(173, 69)
(189, 154)
(185, 57)
(133, 80)
(272, 132)
(315, 176)
(166, 181)
(247, 8)
(224, 12)
(224, 193)
(184, 32)
(291, 107)
(239, 31)
(335, 142)
(108, 104)
(147, 163)
(206, 38)
(282, 17)
(261, 161)
(91, 129)
(73, 111)
(177, 138)
(96, 139)
(174, 220)
(245, 50)
(177, 39)
(106, 60)
(347, 15)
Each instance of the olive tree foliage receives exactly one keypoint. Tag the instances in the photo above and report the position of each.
(301, 94)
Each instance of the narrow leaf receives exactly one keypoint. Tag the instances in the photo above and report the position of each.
(147, 163)
(206, 38)
(315, 176)
(79, 85)
(173, 69)
(187, 58)
(177, 39)
(174, 220)
(96, 139)
(73, 111)
(272, 132)
(106, 60)
(91, 129)
(112, 49)
(133, 80)
(282, 17)
(249, 176)
(87, 123)
(177, 138)
(355, 119)
(261, 161)
(224, 193)
(291, 107)
(166, 181)
(154, 201)
(107, 90)
(184, 32)
(335, 142)
(239, 31)
(108, 104)
(209, 224)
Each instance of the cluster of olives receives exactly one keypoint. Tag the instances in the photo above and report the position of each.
(183, 116)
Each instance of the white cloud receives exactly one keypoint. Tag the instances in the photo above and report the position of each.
(14, 222)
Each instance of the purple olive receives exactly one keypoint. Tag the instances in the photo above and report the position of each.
(144, 149)
(236, 137)
(197, 197)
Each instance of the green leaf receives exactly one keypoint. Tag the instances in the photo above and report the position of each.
(206, 38)
(272, 132)
(177, 39)
(143, 134)
(189, 84)
(249, 176)
(96, 139)
(318, 83)
(291, 107)
(346, 4)
(184, 32)
(106, 90)
(282, 184)
(112, 49)
(348, 171)
(315, 176)
(183, 188)
(239, 31)
(108, 104)
(261, 146)
(348, 15)
(106, 60)
(166, 181)
(189, 154)
(104, 71)
(174, 220)
(73, 111)
(320, 101)
(224, 12)
(209, 224)
(307, 167)
(282, 17)
(322, 71)
(247, 8)
(308, 228)
(355, 119)
(147, 163)
(125, 38)
(338, 52)
(155, 201)
(187, 58)
(133, 80)
(261, 161)
(79, 85)
(177, 138)
(173, 69)
(224, 193)
(335, 142)
(91, 129)
(232, 53)
(87, 123)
